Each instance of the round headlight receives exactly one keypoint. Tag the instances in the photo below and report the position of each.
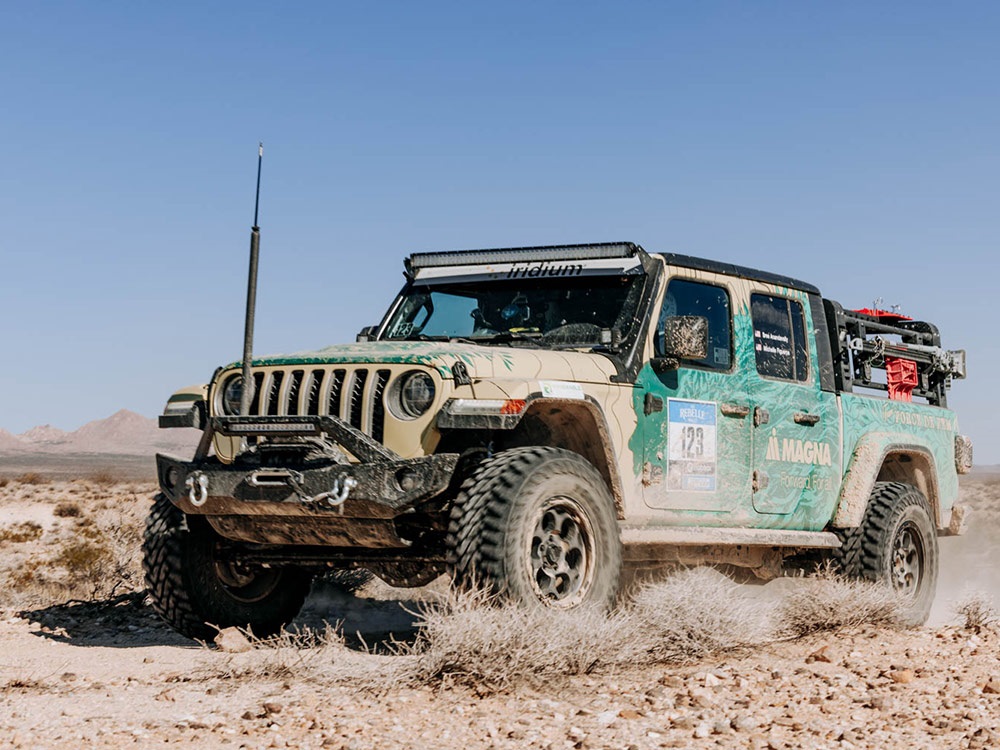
(414, 394)
(232, 394)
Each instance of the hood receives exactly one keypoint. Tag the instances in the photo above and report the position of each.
(483, 362)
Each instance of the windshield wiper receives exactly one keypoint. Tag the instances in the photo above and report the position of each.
(424, 337)
(450, 339)
(507, 337)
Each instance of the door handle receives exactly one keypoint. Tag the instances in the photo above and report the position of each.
(652, 403)
(806, 418)
(734, 410)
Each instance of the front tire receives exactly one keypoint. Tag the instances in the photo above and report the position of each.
(538, 526)
(896, 544)
(198, 592)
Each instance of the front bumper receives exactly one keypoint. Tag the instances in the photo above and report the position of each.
(329, 504)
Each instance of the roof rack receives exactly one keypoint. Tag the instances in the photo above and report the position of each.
(908, 351)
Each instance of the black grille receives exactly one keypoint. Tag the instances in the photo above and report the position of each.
(355, 394)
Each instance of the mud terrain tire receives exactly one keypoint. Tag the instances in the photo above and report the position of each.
(187, 586)
(537, 525)
(896, 544)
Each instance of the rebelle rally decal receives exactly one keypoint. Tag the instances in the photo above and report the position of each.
(691, 442)
(792, 450)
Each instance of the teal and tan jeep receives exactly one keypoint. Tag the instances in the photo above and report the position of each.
(534, 419)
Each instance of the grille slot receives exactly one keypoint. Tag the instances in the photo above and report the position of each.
(294, 389)
(273, 395)
(313, 387)
(356, 405)
(336, 391)
(258, 385)
(378, 404)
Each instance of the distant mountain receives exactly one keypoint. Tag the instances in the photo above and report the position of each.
(8, 441)
(124, 432)
(44, 434)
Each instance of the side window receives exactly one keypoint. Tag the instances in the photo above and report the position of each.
(779, 337)
(685, 297)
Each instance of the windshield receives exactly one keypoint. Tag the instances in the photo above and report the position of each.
(573, 312)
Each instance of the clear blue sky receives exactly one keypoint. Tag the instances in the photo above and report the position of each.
(854, 145)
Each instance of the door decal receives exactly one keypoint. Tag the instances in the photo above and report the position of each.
(691, 441)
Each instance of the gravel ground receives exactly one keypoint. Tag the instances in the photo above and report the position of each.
(109, 674)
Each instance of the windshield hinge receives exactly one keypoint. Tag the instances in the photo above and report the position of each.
(461, 373)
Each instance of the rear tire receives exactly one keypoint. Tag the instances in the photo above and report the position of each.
(198, 592)
(538, 526)
(896, 544)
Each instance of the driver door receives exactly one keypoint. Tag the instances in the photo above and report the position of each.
(696, 417)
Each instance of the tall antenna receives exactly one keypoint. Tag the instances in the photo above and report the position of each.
(256, 202)
(246, 395)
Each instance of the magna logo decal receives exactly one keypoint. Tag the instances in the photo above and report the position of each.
(795, 451)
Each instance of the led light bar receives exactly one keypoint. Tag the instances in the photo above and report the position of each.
(261, 428)
(522, 255)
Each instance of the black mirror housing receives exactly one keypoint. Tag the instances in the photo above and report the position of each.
(685, 337)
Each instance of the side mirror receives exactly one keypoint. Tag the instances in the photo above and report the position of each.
(683, 337)
(367, 334)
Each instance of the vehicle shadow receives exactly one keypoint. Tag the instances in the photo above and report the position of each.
(366, 623)
(124, 621)
(129, 621)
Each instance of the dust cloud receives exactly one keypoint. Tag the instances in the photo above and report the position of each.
(970, 564)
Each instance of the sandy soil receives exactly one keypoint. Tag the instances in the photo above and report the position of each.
(107, 673)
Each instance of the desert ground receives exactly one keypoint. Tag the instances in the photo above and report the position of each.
(695, 662)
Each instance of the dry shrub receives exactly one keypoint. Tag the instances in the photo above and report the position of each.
(119, 533)
(67, 510)
(699, 612)
(83, 558)
(22, 683)
(4, 481)
(100, 559)
(977, 611)
(25, 576)
(32, 477)
(104, 478)
(828, 602)
(470, 638)
(27, 531)
(309, 654)
(692, 615)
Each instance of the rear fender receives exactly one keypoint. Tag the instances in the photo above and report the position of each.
(885, 457)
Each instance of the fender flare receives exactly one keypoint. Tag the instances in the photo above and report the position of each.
(867, 461)
(546, 407)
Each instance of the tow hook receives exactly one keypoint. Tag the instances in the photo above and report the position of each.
(197, 486)
(337, 494)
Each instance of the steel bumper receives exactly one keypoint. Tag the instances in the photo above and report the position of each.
(363, 490)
